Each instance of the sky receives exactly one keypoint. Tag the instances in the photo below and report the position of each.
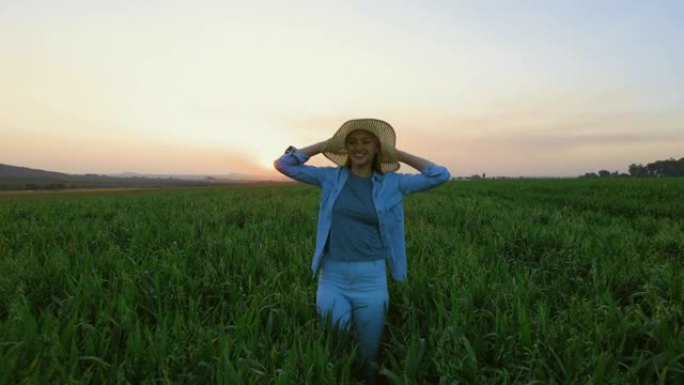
(506, 88)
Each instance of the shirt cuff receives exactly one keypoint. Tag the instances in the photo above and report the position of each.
(301, 157)
(434, 171)
(294, 156)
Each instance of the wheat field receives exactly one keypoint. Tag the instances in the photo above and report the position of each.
(510, 282)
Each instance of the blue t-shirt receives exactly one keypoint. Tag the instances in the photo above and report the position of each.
(354, 233)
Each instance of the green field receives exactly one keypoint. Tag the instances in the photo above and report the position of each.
(510, 282)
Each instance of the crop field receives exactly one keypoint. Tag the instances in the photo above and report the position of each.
(510, 282)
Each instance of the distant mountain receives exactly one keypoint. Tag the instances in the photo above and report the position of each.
(15, 172)
(24, 178)
(224, 177)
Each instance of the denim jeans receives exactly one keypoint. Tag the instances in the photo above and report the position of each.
(355, 294)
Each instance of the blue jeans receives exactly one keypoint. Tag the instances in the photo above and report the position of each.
(354, 294)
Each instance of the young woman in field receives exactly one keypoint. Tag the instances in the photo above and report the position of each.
(360, 223)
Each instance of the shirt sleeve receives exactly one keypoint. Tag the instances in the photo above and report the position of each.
(429, 177)
(293, 166)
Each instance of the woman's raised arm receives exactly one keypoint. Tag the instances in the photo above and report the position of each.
(292, 163)
(313, 149)
(414, 161)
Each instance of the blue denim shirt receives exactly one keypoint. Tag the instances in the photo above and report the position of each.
(388, 191)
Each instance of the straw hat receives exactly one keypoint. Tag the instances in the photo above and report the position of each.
(336, 151)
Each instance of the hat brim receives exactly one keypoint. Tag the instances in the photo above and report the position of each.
(335, 148)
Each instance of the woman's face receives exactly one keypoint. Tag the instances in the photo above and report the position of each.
(362, 147)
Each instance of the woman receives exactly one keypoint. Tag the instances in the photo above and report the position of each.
(360, 223)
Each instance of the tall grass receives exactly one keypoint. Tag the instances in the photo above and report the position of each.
(510, 282)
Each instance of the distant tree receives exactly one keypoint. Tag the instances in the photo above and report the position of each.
(476, 176)
(670, 167)
(659, 168)
(637, 170)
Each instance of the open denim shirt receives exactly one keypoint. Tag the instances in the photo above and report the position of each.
(388, 191)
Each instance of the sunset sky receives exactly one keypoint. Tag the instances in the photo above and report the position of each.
(507, 88)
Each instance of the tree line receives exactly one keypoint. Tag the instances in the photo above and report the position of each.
(659, 168)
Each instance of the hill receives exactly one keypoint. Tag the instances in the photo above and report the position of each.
(8, 172)
(24, 178)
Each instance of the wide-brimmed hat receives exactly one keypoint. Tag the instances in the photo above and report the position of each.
(336, 151)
